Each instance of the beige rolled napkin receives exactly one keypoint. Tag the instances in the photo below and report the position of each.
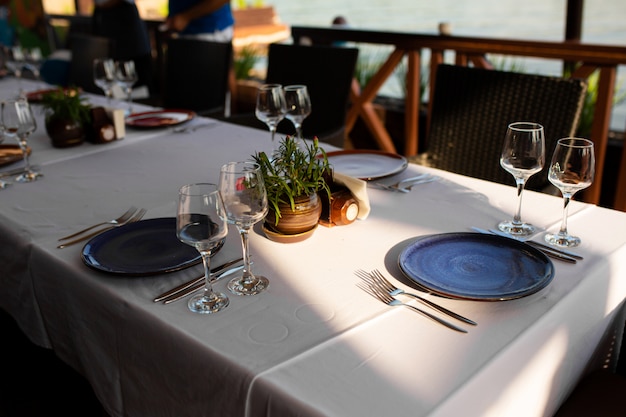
(358, 188)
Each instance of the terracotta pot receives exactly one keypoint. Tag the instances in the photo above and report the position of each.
(65, 133)
(304, 218)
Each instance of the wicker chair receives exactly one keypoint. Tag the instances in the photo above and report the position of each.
(196, 75)
(472, 108)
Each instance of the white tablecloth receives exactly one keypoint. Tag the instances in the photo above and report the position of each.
(313, 344)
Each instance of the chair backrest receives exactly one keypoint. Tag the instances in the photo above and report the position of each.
(327, 72)
(86, 48)
(196, 75)
(472, 108)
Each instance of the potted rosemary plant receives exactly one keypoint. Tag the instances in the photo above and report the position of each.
(293, 177)
(66, 117)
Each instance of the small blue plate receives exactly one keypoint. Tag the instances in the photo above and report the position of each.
(476, 266)
(147, 247)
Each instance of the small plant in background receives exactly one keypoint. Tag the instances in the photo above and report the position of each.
(367, 66)
(244, 62)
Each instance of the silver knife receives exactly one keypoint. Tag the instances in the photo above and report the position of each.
(200, 285)
(12, 172)
(195, 281)
(550, 252)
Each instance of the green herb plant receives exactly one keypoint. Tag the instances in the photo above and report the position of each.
(67, 105)
(295, 169)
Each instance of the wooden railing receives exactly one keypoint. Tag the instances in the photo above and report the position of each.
(589, 58)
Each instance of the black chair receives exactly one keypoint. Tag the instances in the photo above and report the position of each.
(472, 108)
(327, 72)
(86, 48)
(196, 75)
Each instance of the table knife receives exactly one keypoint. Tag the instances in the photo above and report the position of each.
(195, 281)
(200, 285)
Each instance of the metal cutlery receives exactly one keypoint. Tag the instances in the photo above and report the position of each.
(12, 172)
(193, 128)
(136, 217)
(405, 185)
(376, 278)
(195, 281)
(201, 285)
(549, 251)
(383, 296)
(120, 220)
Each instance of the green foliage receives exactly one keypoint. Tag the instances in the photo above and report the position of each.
(367, 65)
(296, 169)
(244, 61)
(67, 105)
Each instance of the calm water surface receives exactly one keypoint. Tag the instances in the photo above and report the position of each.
(527, 20)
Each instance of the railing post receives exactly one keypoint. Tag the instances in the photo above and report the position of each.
(412, 104)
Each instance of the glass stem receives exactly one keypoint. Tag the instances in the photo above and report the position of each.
(566, 199)
(129, 98)
(517, 219)
(273, 130)
(25, 154)
(299, 131)
(206, 262)
(247, 276)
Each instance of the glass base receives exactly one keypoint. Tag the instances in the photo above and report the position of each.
(29, 176)
(516, 229)
(239, 287)
(562, 240)
(206, 305)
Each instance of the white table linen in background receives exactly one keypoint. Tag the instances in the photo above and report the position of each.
(313, 344)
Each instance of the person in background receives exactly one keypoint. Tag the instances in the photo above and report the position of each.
(119, 20)
(210, 20)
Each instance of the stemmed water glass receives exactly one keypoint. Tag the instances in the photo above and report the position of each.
(571, 170)
(15, 61)
(298, 106)
(245, 198)
(201, 223)
(270, 106)
(126, 77)
(26, 126)
(104, 76)
(523, 155)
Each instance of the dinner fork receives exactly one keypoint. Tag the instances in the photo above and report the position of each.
(405, 185)
(389, 300)
(116, 222)
(376, 278)
(136, 217)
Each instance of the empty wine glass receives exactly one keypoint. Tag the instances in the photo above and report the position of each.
(126, 77)
(201, 223)
(15, 61)
(245, 198)
(34, 60)
(104, 76)
(571, 170)
(298, 106)
(26, 126)
(523, 155)
(270, 106)
(3, 184)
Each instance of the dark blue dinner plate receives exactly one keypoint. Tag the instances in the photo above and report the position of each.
(147, 247)
(476, 266)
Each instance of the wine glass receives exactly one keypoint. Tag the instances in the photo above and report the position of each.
(126, 77)
(104, 76)
(571, 170)
(523, 155)
(270, 106)
(243, 190)
(298, 106)
(15, 61)
(34, 60)
(201, 223)
(26, 126)
(3, 184)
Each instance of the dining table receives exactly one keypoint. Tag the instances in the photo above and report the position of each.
(314, 343)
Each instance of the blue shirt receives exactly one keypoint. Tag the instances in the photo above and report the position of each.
(218, 20)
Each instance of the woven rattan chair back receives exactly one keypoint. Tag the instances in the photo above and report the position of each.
(471, 111)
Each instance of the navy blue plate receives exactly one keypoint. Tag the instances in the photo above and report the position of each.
(147, 247)
(476, 266)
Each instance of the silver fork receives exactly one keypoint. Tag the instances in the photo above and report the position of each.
(120, 220)
(377, 278)
(383, 296)
(405, 185)
(136, 217)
